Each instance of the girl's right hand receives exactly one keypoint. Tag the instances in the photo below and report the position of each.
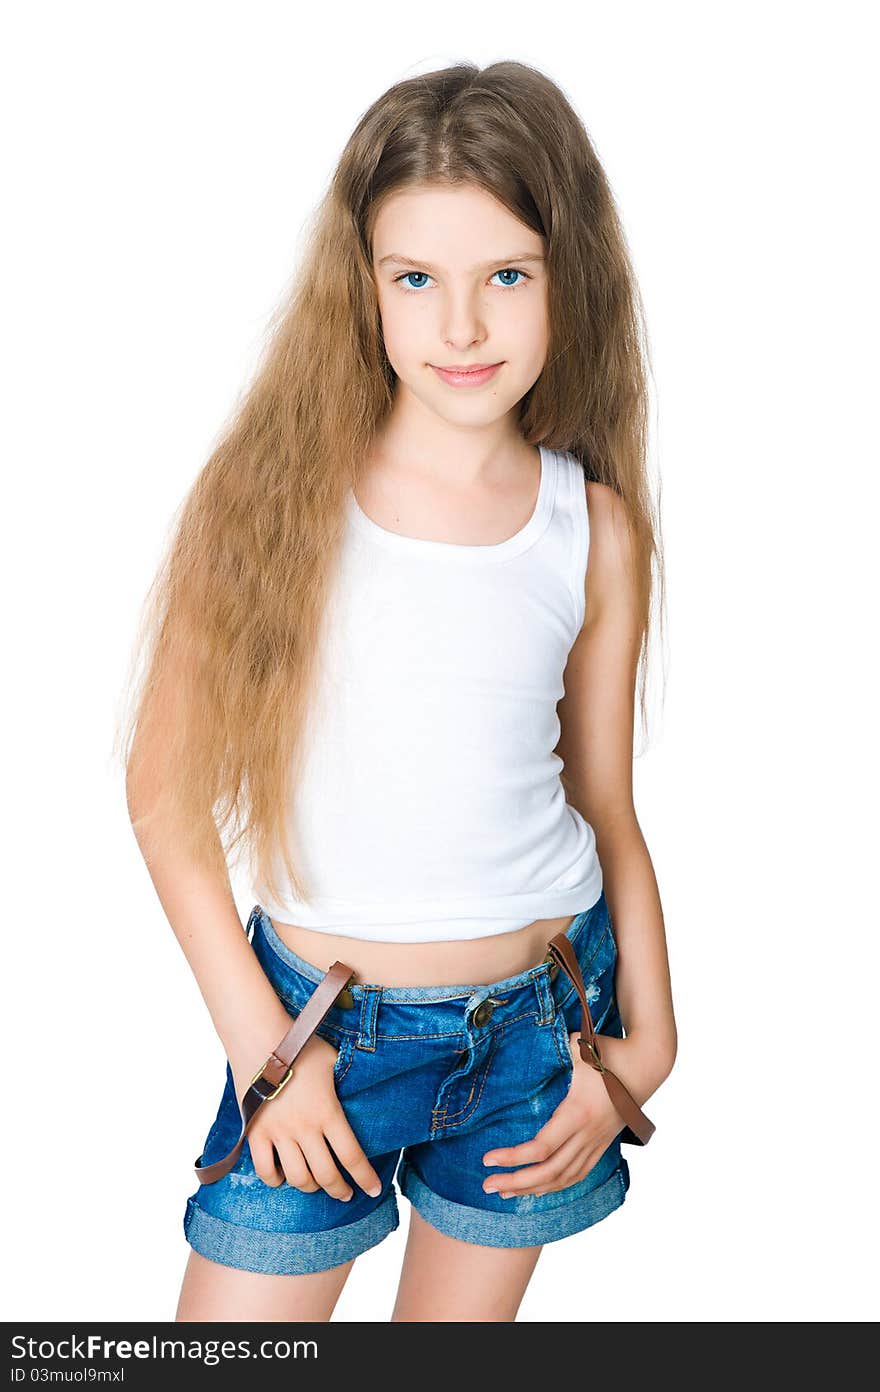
(300, 1121)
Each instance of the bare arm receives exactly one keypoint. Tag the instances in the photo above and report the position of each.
(248, 1015)
(596, 745)
(198, 901)
(199, 905)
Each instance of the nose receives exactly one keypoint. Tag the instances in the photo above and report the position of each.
(463, 323)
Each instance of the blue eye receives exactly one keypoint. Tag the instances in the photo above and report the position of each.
(417, 274)
(423, 276)
(509, 270)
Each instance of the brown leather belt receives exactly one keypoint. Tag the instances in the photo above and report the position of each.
(278, 1068)
(638, 1129)
(277, 1071)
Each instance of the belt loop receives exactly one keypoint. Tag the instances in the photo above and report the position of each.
(546, 1002)
(369, 1010)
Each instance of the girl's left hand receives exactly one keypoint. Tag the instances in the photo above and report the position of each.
(567, 1147)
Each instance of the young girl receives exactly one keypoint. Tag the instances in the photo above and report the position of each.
(393, 651)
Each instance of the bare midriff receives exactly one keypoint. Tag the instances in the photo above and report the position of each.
(469, 961)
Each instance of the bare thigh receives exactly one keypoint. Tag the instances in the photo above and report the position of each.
(211, 1291)
(444, 1278)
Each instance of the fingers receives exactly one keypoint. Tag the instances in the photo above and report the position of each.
(351, 1153)
(263, 1156)
(547, 1174)
(304, 1162)
(321, 1164)
(293, 1163)
(554, 1133)
(291, 1141)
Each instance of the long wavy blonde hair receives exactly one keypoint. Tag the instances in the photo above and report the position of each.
(225, 656)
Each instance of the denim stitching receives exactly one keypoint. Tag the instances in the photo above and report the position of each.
(453, 1034)
(343, 1030)
(440, 1000)
(328, 1025)
(566, 1058)
(448, 1117)
(350, 1060)
(324, 1029)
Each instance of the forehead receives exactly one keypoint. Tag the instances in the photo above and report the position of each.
(454, 226)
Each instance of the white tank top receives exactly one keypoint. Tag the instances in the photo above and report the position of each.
(430, 805)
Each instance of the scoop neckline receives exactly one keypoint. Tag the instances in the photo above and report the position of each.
(459, 551)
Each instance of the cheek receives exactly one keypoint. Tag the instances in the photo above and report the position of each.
(396, 347)
(536, 328)
(541, 346)
(531, 341)
(402, 332)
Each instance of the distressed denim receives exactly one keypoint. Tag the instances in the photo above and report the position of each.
(430, 1079)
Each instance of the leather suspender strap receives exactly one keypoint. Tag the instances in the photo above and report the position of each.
(277, 1071)
(278, 1068)
(638, 1129)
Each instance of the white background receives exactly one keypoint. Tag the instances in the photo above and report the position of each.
(160, 162)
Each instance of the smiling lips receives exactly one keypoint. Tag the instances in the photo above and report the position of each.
(467, 376)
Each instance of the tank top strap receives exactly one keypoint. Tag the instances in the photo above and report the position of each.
(568, 533)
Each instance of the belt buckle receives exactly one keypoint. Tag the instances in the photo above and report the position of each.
(268, 1096)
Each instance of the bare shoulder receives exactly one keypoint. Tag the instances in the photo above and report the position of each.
(597, 712)
(609, 577)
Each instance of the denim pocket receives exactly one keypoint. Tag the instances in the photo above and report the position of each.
(345, 1056)
(560, 1029)
(342, 1040)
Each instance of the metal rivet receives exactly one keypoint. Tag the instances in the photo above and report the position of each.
(483, 1013)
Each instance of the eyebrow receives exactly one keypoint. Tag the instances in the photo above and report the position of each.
(497, 261)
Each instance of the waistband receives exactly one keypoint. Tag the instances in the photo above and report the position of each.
(578, 931)
(543, 987)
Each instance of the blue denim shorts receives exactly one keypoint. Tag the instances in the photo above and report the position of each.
(430, 1078)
